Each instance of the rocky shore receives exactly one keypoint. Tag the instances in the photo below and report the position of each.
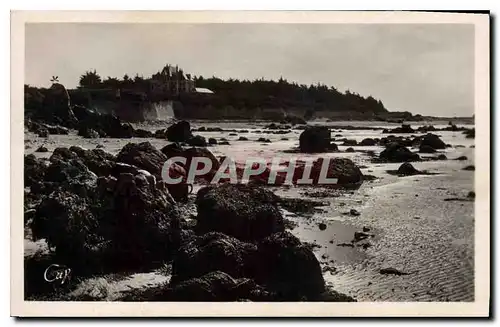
(95, 202)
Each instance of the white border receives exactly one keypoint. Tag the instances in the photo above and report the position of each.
(478, 308)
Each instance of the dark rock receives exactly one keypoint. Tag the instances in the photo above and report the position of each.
(289, 268)
(224, 143)
(34, 170)
(242, 138)
(213, 252)
(349, 150)
(366, 229)
(350, 143)
(461, 158)
(118, 222)
(426, 149)
(212, 141)
(470, 133)
(396, 152)
(197, 140)
(144, 156)
(242, 211)
(358, 236)
(264, 140)
(160, 134)
(407, 169)
(43, 132)
(217, 286)
(392, 271)
(87, 133)
(97, 160)
(471, 194)
(368, 142)
(441, 157)
(405, 128)
(42, 149)
(432, 141)
(322, 226)
(57, 106)
(315, 139)
(346, 172)
(470, 167)
(143, 133)
(179, 132)
(354, 212)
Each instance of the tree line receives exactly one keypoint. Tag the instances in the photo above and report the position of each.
(251, 93)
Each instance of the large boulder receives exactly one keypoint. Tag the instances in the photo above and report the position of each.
(213, 251)
(396, 152)
(124, 222)
(179, 132)
(432, 141)
(243, 211)
(58, 106)
(144, 156)
(315, 139)
(289, 268)
(97, 160)
(345, 170)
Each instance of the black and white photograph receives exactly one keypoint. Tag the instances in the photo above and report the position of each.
(328, 161)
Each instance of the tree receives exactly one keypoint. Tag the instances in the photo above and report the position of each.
(54, 79)
(111, 82)
(90, 79)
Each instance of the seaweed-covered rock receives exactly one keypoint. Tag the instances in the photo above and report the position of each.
(395, 152)
(124, 222)
(144, 156)
(97, 160)
(315, 139)
(213, 251)
(216, 286)
(345, 170)
(289, 268)
(34, 170)
(243, 211)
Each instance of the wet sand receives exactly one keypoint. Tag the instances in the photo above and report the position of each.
(414, 229)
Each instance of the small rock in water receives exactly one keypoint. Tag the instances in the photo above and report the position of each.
(99, 146)
(461, 158)
(42, 149)
(471, 194)
(366, 229)
(358, 236)
(354, 212)
(472, 168)
(349, 150)
(322, 226)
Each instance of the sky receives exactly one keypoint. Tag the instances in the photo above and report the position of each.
(426, 69)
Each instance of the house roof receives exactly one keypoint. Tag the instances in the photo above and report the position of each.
(203, 90)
